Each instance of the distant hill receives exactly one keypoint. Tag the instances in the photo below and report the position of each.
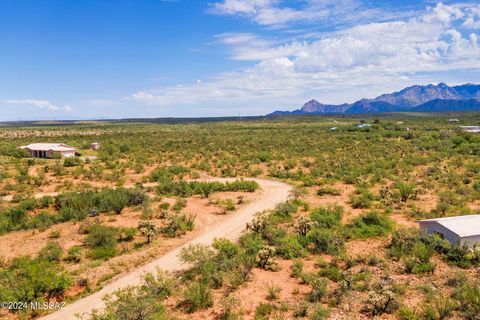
(429, 98)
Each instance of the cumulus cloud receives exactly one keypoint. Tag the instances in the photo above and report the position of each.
(339, 66)
(41, 104)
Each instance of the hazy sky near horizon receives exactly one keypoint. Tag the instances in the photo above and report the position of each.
(84, 59)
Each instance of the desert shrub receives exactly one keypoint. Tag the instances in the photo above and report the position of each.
(283, 212)
(368, 225)
(405, 190)
(186, 189)
(72, 162)
(319, 289)
(468, 296)
(380, 302)
(178, 224)
(198, 296)
(325, 190)
(126, 234)
(42, 220)
(103, 241)
(325, 241)
(130, 303)
(102, 253)
(159, 285)
(51, 252)
(327, 217)
(362, 198)
(462, 256)
(263, 311)
(332, 272)
(265, 257)
(289, 247)
(406, 313)
(402, 242)
(28, 279)
(229, 306)
(320, 313)
(303, 225)
(74, 254)
(297, 269)
(419, 262)
(440, 308)
(148, 229)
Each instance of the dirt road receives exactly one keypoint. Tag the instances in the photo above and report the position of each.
(273, 193)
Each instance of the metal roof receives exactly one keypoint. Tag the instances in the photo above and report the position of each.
(463, 226)
(48, 147)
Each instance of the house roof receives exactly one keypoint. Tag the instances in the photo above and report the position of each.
(463, 226)
(48, 147)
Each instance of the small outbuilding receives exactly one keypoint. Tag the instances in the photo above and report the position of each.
(364, 125)
(49, 150)
(453, 120)
(458, 229)
(95, 146)
(473, 129)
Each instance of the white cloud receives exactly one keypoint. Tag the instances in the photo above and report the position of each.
(278, 13)
(41, 104)
(340, 66)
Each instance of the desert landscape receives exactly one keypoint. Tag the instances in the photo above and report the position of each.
(337, 240)
(240, 160)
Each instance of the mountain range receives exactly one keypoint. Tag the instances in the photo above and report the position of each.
(417, 98)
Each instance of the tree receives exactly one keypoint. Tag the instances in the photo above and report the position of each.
(148, 229)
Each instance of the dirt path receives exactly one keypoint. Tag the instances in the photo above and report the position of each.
(273, 193)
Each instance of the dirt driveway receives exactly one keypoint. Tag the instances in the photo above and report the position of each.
(274, 192)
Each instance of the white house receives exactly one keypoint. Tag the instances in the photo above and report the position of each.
(364, 125)
(474, 129)
(459, 229)
(95, 146)
(48, 150)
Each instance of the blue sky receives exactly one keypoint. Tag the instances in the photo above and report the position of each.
(137, 58)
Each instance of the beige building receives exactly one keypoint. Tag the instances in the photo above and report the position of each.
(48, 150)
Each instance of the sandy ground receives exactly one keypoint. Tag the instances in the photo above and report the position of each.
(273, 193)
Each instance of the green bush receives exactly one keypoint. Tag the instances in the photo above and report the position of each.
(325, 241)
(51, 252)
(102, 240)
(327, 217)
(362, 199)
(72, 162)
(178, 224)
(468, 296)
(74, 254)
(28, 279)
(368, 225)
(198, 296)
(187, 189)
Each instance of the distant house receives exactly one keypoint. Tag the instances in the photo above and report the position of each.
(95, 146)
(459, 229)
(474, 129)
(49, 150)
(333, 129)
(364, 125)
(452, 120)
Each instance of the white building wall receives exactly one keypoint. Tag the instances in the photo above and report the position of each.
(472, 240)
(68, 154)
(432, 227)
